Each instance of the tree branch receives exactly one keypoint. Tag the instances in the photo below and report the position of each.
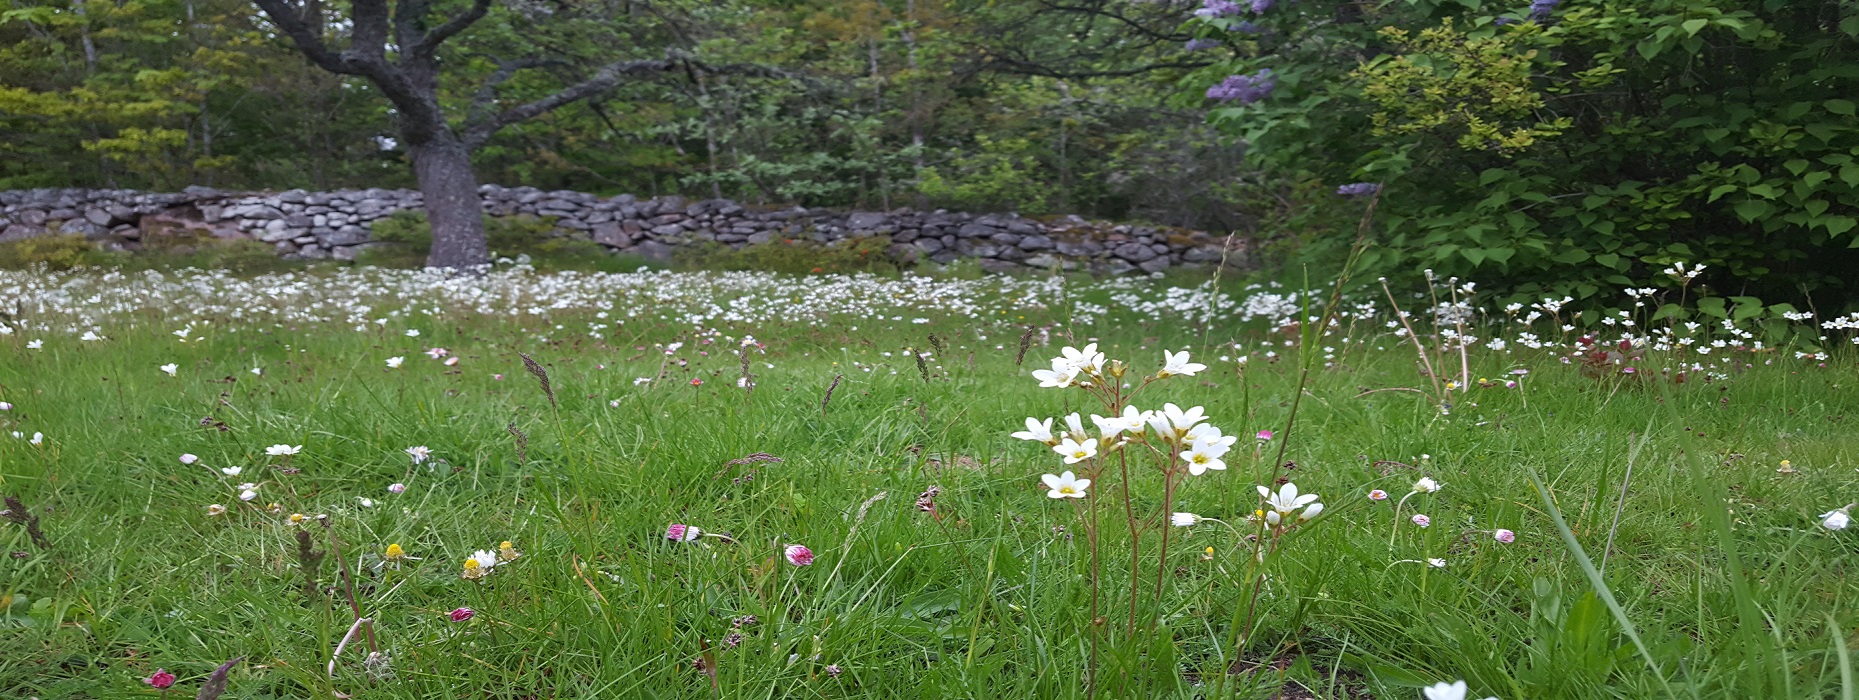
(480, 129)
(305, 30)
(429, 43)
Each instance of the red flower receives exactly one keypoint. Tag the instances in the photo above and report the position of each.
(696, 382)
(162, 680)
(462, 614)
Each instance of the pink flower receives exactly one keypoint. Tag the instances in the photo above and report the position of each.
(1422, 520)
(1505, 536)
(162, 680)
(497, 377)
(1264, 435)
(799, 555)
(696, 382)
(462, 614)
(396, 488)
(189, 459)
(436, 353)
(680, 532)
(1378, 495)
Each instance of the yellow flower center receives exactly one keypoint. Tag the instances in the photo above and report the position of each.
(1080, 454)
(395, 552)
(1200, 458)
(471, 564)
(1067, 490)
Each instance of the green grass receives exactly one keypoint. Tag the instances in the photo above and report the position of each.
(1718, 563)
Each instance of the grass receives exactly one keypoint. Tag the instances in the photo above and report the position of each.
(1717, 566)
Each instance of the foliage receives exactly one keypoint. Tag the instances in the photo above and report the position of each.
(54, 251)
(792, 255)
(403, 239)
(1581, 148)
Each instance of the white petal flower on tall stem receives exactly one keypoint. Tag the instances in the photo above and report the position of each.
(170, 368)
(1065, 485)
(1088, 360)
(283, 450)
(1173, 364)
(1036, 431)
(1203, 455)
(1184, 519)
(1058, 377)
(1836, 519)
(419, 453)
(1074, 451)
(1284, 502)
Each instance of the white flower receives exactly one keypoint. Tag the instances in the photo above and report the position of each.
(1088, 360)
(36, 345)
(1058, 377)
(1173, 364)
(1285, 502)
(396, 487)
(283, 450)
(1426, 484)
(485, 558)
(215, 509)
(1036, 431)
(37, 439)
(366, 502)
(1436, 563)
(1184, 519)
(641, 380)
(189, 459)
(1075, 451)
(1074, 427)
(1836, 519)
(419, 454)
(1203, 455)
(231, 471)
(258, 371)
(248, 494)
(413, 332)
(170, 368)
(1172, 423)
(395, 362)
(1442, 691)
(1066, 485)
(4, 406)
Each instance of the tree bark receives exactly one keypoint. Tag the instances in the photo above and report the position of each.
(450, 190)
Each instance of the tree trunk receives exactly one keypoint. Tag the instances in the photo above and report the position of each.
(450, 189)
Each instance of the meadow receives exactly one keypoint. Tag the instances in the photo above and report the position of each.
(390, 484)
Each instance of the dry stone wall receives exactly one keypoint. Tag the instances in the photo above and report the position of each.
(336, 225)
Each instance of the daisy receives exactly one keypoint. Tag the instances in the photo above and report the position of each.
(798, 555)
(1504, 536)
(396, 488)
(680, 532)
(1836, 519)
(436, 353)
(395, 362)
(231, 471)
(170, 368)
(419, 453)
(1184, 519)
(283, 450)
(189, 459)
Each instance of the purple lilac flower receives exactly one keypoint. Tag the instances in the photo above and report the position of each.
(1245, 27)
(1247, 89)
(1217, 8)
(1199, 44)
(1358, 189)
(1502, 21)
(1540, 9)
(1260, 6)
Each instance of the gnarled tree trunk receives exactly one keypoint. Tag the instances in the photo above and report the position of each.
(443, 166)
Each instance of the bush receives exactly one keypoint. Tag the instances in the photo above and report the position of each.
(56, 251)
(404, 239)
(794, 256)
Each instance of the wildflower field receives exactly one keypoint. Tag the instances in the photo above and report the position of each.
(373, 483)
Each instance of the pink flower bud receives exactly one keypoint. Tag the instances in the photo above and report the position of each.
(1378, 495)
(1422, 520)
(1504, 536)
(799, 555)
(1264, 435)
(462, 614)
(162, 680)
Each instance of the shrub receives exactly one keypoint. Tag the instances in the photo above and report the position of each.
(57, 251)
(403, 239)
(795, 256)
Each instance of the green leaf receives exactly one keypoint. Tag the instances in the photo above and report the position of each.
(1839, 106)
(1753, 209)
(1837, 225)
(1693, 26)
(1720, 191)
(1713, 306)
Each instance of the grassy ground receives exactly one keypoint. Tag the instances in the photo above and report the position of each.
(1731, 587)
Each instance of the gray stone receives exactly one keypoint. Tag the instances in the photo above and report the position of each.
(1035, 242)
(32, 217)
(667, 230)
(929, 245)
(999, 266)
(1078, 249)
(612, 234)
(1154, 265)
(100, 217)
(865, 220)
(760, 237)
(1202, 255)
(654, 251)
(976, 230)
(346, 253)
(1134, 252)
(347, 235)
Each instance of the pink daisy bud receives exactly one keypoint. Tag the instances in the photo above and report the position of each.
(799, 555)
(1422, 520)
(1264, 435)
(680, 532)
(396, 488)
(696, 382)
(1378, 495)
(189, 459)
(462, 614)
(162, 680)
(1504, 536)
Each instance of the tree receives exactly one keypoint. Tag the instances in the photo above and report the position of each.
(398, 51)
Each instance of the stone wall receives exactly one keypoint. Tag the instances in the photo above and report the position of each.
(335, 225)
